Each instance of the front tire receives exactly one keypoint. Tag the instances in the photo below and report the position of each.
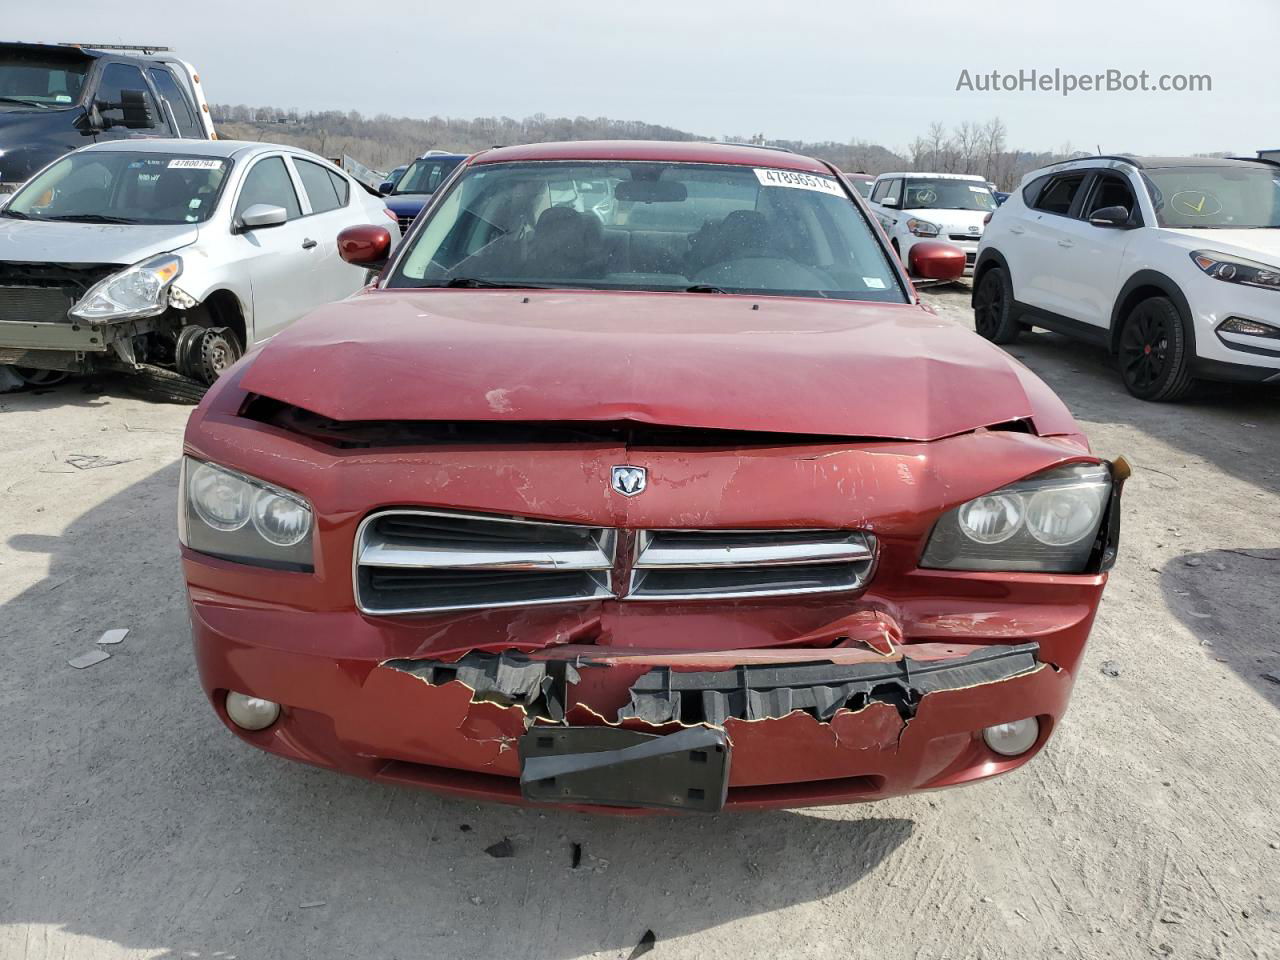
(993, 315)
(1154, 354)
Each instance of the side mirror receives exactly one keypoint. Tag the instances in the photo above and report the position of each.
(365, 246)
(385, 187)
(1110, 217)
(134, 110)
(261, 215)
(889, 202)
(936, 260)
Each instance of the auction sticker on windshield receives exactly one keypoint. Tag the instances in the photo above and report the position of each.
(194, 163)
(801, 181)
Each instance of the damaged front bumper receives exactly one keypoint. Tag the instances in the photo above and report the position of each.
(599, 727)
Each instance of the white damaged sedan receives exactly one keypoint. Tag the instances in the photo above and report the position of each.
(171, 257)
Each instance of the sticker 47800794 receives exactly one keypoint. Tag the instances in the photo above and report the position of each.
(194, 163)
(800, 181)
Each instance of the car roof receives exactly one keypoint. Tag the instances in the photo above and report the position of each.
(115, 51)
(910, 174)
(663, 151)
(200, 148)
(1156, 163)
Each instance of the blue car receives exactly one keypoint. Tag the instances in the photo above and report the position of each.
(419, 182)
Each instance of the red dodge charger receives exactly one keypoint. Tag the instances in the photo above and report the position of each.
(642, 479)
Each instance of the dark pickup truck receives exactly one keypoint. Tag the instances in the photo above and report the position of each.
(55, 97)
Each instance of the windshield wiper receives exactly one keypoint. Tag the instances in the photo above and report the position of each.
(90, 218)
(475, 282)
(25, 102)
(704, 288)
(15, 214)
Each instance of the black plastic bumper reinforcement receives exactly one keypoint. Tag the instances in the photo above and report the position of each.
(686, 770)
(756, 692)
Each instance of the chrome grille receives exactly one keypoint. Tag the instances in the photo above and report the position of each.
(427, 561)
(421, 561)
(701, 564)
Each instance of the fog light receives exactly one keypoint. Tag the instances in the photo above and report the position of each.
(254, 713)
(1012, 739)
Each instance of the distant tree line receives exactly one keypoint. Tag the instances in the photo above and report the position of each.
(383, 141)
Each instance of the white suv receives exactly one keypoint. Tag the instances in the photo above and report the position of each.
(932, 206)
(1173, 264)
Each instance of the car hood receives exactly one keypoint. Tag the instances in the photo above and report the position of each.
(1262, 244)
(951, 221)
(406, 205)
(819, 368)
(34, 241)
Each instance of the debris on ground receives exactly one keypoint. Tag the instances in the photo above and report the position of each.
(86, 461)
(501, 850)
(114, 636)
(576, 856)
(644, 946)
(310, 904)
(1110, 668)
(464, 827)
(88, 659)
(1193, 561)
(1272, 677)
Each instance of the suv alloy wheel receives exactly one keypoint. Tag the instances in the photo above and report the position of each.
(993, 308)
(1153, 352)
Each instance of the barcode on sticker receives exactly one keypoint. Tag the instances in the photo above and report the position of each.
(194, 163)
(800, 181)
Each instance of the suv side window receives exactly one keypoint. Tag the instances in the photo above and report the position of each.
(319, 185)
(117, 77)
(1110, 190)
(169, 90)
(1060, 193)
(269, 182)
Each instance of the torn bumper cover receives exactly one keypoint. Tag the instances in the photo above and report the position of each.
(599, 727)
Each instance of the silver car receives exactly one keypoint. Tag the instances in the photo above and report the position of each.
(170, 257)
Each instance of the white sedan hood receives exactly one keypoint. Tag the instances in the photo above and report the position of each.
(36, 241)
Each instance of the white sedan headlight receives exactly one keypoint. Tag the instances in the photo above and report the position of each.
(922, 228)
(1048, 523)
(234, 516)
(139, 291)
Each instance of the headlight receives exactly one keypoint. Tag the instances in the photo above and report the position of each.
(234, 516)
(922, 228)
(1223, 266)
(1046, 523)
(138, 291)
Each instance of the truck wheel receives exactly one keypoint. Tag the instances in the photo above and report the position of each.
(993, 315)
(216, 352)
(1153, 355)
(40, 378)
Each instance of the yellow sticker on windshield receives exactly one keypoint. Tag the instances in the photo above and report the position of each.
(800, 181)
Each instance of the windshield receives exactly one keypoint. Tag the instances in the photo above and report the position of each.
(947, 195)
(650, 226)
(424, 176)
(40, 78)
(111, 186)
(1215, 198)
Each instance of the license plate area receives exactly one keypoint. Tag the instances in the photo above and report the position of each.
(687, 770)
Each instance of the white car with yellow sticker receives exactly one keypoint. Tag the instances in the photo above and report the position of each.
(1170, 263)
(171, 257)
(932, 206)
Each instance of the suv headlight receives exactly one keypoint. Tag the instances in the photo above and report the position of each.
(234, 516)
(922, 228)
(1223, 266)
(1046, 523)
(139, 291)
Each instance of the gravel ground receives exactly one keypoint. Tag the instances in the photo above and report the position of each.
(134, 826)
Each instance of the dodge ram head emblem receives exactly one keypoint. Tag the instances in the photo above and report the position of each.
(628, 481)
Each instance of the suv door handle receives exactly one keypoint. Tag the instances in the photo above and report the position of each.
(1066, 243)
(1017, 229)
(308, 244)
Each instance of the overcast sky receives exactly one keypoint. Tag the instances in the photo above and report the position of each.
(814, 71)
